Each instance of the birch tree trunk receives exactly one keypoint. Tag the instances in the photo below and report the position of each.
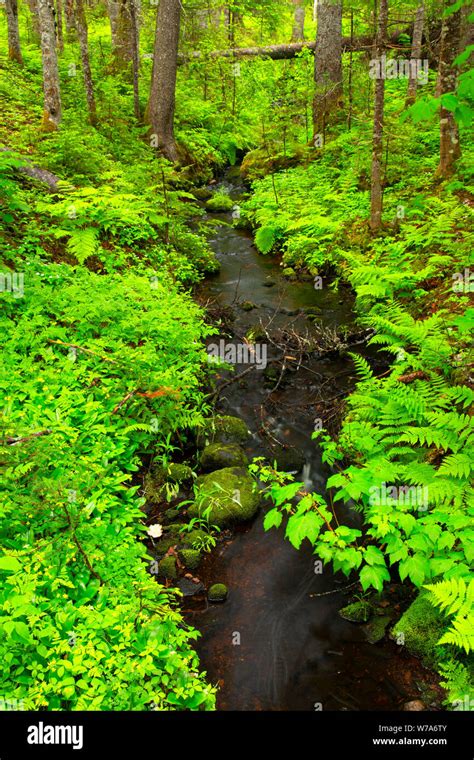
(449, 147)
(14, 48)
(161, 105)
(51, 87)
(415, 52)
(327, 63)
(82, 33)
(298, 20)
(376, 197)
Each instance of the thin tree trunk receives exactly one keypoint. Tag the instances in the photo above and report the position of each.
(327, 63)
(376, 198)
(163, 80)
(59, 25)
(415, 52)
(51, 87)
(69, 15)
(124, 38)
(14, 48)
(349, 83)
(298, 20)
(449, 147)
(33, 6)
(82, 33)
(113, 11)
(135, 58)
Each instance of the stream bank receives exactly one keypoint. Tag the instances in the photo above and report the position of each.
(277, 642)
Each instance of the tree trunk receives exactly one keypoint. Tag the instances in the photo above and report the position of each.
(69, 15)
(59, 25)
(298, 20)
(449, 147)
(135, 58)
(52, 93)
(14, 49)
(124, 38)
(82, 33)
(33, 6)
(376, 197)
(327, 63)
(113, 9)
(163, 79)
(415, 52)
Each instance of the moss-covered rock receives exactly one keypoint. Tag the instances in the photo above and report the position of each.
(419, 629)
(219, 203)
(194, 538)
(248, 305)
(375, 630)
(162, 546)
(261, 162)
(202, 193)
(223, 429)
(167, 568)
(220, 455)
(230, 493)
(172, 473)
(217, 592)
(190, 557)
(289, 273)
(357, 612)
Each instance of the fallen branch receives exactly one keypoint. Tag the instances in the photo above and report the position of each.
(290, 50)
(21, 439)
(81, 348)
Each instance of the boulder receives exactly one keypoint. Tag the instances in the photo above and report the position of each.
(230, 494)
(219, 203)
(223, 429)
(190, 558)
(420, 628)
(220, 455)
(357, 612)
(217, 592)
(167, 568)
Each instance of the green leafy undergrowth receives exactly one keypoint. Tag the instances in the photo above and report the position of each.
(97, 370)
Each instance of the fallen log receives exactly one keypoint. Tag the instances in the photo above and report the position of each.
(41, 175)
(290, 50)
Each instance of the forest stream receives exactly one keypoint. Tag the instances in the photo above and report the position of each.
(278, 643)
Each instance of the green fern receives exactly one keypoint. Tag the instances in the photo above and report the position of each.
(83, 243)
(456, 597)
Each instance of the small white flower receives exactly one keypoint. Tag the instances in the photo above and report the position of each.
(155, 531)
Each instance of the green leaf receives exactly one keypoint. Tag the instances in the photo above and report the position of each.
(10, 564)
(374, 576)
(272, 519)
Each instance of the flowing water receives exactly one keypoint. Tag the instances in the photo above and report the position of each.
(277, 643)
